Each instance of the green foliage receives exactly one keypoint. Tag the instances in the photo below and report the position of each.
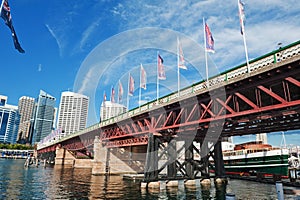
(15, 146)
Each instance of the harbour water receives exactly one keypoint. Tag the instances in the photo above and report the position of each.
(17, 182)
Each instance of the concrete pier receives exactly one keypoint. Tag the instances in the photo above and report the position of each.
(106, 163)
(98, 162)
(64, 157)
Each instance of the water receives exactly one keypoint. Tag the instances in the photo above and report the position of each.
(17, 182)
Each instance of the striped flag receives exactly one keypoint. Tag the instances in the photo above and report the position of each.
(161, 70)
(120, 93)
(209, 40)
(5, 14)
(112, 96)
(241, 15)
(131, 85)
(143, 78)
(181, 62)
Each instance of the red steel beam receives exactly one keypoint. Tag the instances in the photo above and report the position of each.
(294, 81)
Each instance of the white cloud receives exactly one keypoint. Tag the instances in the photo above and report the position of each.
(267, 24)
(57, 39)
(89, 31)
(39, 67)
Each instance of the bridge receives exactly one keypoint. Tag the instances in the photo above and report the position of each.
(176, 135)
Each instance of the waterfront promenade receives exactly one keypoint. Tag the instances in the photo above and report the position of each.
(17, 182)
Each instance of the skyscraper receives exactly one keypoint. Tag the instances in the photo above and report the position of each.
(25, 109)
(9, 121)
(73, 112)
(43, 117)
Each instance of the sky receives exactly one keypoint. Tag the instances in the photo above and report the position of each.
(89, 46)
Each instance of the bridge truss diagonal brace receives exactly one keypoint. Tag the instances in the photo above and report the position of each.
(224, 105)
(246, 100)
(272, 94)
(207, 110)
(292, 80)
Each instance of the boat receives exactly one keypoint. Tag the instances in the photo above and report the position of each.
(15, 154)
(255, 157)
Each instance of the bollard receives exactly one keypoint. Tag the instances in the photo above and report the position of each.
(198, 183)
(293, 174)
(279, 190)
(162, 185)
(230, 196)
(181, 184)
(36, 162)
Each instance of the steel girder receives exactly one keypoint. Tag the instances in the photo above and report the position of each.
(267, 102)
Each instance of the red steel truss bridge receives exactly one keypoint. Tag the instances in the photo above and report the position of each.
(261, 98)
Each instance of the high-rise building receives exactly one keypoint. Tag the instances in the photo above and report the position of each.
(25, 107)
(72, 112)
(262, 137)
(110, 109)
(9, 121)
(43, 117)
(3, 100)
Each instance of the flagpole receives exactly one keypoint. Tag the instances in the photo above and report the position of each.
(128, 92)
(103, 106)
(244, 34)
(178, 72)
(119, 92)
(205, 52)
(246, 52)
(111, 94)
(1, 7)
(140, 92)
(157, 81)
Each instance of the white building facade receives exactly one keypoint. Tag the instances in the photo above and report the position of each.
(72, 112)
(109, 109)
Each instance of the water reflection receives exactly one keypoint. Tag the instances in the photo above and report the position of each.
(17, 182)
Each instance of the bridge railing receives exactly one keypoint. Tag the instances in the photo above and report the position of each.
(255, 66)
(260, 63)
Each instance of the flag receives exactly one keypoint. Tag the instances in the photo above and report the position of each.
(104, 98)
(112, 96)
(143, 78)
(120, 94)
(160, 66)
(241, 15)
(181, 62)
(209, 40)
(5, 14)
(131, 85)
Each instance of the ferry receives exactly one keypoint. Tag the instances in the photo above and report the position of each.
(255, 157)
(15, 154)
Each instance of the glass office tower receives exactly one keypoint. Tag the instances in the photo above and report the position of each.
(43, 117)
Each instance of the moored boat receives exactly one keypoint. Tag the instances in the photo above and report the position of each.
(256, 157)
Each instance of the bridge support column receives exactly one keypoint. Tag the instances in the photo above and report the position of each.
(218, 160)
(151, 166)
(189, 157)
(172, 154)
(99, 151)
(204, 154)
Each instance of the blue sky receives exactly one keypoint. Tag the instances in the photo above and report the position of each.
(62, 40)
